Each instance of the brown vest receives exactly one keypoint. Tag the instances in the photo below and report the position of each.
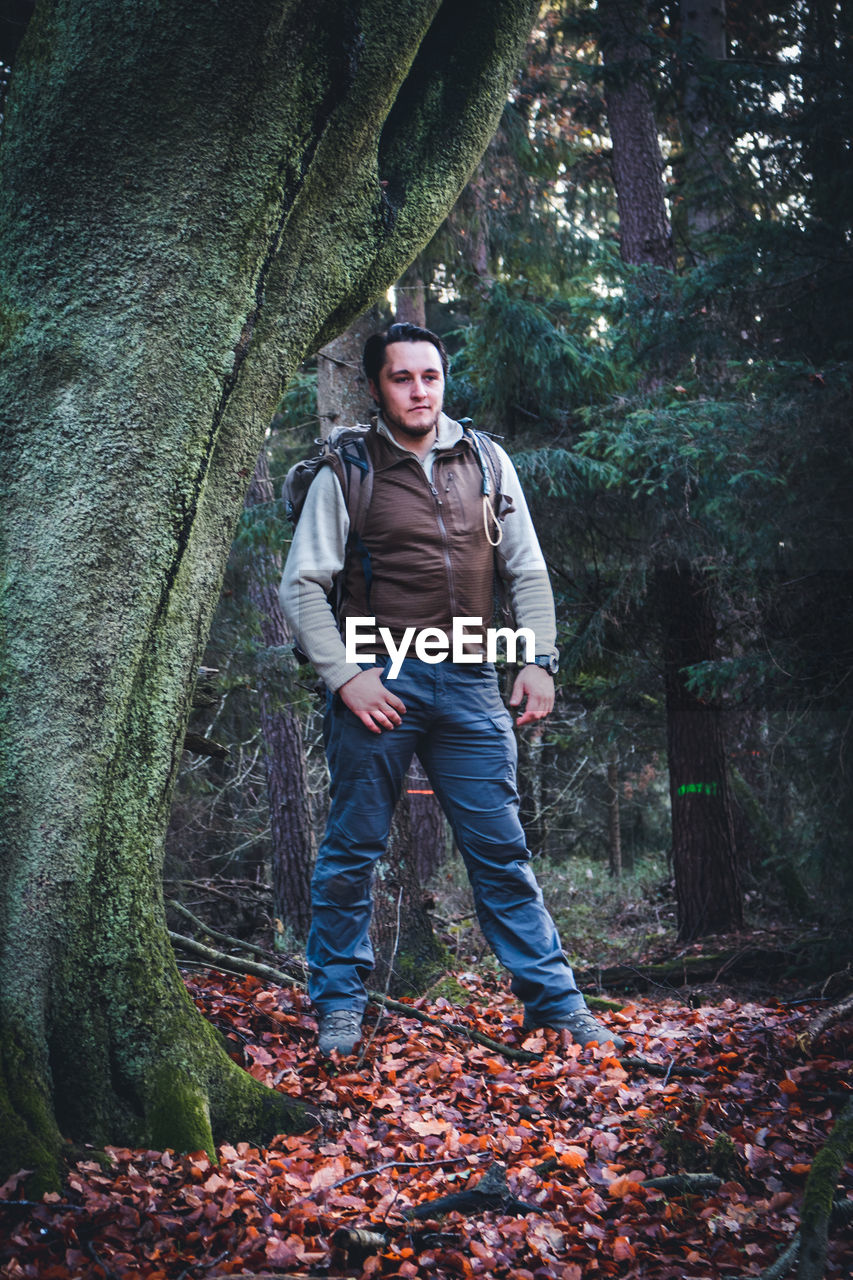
(429, 557)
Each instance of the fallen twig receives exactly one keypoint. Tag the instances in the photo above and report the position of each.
(490, 1194)
(229, 940)
(684, 1183)
(373, 1170)
(270, 973)
(662, 1068)
(826, 1019)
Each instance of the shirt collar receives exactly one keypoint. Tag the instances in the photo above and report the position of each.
(449, 433)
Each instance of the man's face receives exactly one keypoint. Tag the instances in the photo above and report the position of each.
(410, 390)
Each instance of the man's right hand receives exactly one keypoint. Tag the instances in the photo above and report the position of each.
(367, 697)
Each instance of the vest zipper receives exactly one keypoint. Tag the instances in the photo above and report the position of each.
(445, 541)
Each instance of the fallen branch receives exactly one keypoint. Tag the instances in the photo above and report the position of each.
(805, 954)
(684, 1183)
(491, 1193)
(826, 1019)
(217, 958)
(228, 939)
(358, 1244)
(220, 959)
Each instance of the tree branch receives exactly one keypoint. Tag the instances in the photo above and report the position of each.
(826, 1019)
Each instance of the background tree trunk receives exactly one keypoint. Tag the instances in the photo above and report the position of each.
(293, 847)
(706, 168)
(644, 231)
(192, 198)
(828, 30)
(343, 398)
(707, 880)
(411, 296)
(408, 955)
(614, 825)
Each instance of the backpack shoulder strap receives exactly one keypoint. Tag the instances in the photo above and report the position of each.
(488, 456)
(350, 457)
(495, 503)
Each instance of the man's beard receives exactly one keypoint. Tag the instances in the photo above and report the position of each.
(415, 430)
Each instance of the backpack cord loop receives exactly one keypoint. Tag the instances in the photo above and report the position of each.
(488, 510)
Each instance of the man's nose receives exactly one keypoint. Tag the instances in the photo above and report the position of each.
(419, 388)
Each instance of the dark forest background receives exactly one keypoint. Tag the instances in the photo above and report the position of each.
(645, 290)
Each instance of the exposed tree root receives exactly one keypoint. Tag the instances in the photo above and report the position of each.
(817, 1209)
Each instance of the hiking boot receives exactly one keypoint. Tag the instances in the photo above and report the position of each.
(581, 1025)
(340, 1030)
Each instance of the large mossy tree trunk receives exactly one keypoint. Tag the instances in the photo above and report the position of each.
(193, 195)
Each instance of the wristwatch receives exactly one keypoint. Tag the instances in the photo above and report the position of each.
(549, 661)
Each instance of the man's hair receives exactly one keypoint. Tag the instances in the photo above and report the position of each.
(373, 357)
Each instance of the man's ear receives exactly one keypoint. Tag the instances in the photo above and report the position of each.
(373, 389)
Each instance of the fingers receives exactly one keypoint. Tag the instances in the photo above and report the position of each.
(535, 710)
(537, 686)
(376, 707)
(377, 718)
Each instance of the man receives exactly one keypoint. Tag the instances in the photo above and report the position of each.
(426, 556)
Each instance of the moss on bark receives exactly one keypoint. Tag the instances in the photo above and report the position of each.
(192, 198)
(29, 1136)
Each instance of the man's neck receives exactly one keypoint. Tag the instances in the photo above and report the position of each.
(420, 446)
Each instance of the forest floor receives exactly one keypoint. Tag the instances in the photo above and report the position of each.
(572, 1144)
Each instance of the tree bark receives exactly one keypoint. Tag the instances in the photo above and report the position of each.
(292, 835)
(706, 164)
(411, 296)
(645, 234)
(409, 957)
(707, 879)
(192, 198)
(828, 30)
(343, 398)
(614, 826)
(827, 1168)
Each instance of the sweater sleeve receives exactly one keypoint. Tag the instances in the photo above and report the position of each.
(315, 558)
(522, 565)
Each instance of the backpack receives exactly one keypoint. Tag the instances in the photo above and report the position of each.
(345, 450)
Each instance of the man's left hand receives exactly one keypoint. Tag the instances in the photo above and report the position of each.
(537, 686)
